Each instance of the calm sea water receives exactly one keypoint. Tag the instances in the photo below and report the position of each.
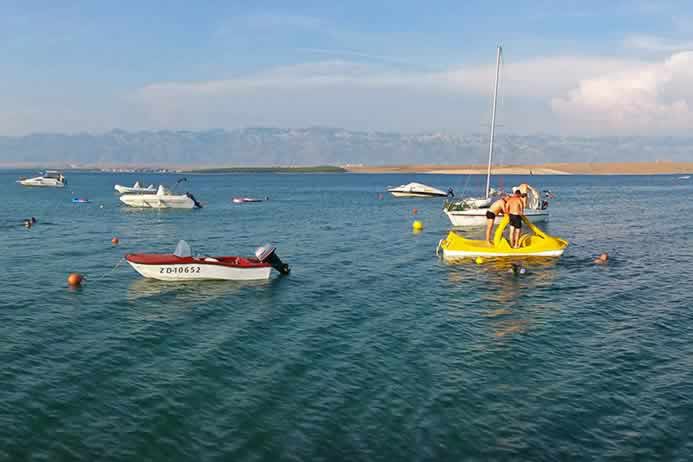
(372, 349)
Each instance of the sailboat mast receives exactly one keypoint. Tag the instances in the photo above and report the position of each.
(493, 122)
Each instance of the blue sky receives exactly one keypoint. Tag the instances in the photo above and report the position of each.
(582, 67)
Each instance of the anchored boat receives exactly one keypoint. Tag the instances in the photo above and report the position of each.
(472, 211)
(49, 179)
(136, 189)
(163, 199)
(463, 214)
(183, 266)
(538, 244)
(243, 200)
(417, 190)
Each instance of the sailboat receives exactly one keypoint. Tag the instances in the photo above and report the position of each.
(471, 211)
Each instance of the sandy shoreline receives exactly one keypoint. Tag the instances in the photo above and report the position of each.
(557, 168)
(592, 168)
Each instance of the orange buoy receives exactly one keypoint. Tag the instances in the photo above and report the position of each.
(115, 241)
(74, 280)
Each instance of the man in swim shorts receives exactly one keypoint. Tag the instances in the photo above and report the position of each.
(496, 209)
(515, 210)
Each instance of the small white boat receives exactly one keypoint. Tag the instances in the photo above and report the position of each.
(417, 190)
(685, 177)
(182, 266)
(243, 200)
(163, 199)
(49, 179)
(136, 188)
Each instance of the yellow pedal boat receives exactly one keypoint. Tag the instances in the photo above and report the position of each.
(538, 244)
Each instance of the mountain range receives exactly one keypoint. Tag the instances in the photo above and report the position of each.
(326, 146)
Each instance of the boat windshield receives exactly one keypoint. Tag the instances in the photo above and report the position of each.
(183, 250)
(52, 174)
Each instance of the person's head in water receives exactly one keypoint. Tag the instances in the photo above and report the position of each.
(33, 220)
(601, 259)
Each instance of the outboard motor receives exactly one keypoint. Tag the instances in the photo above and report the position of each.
(267, 254)
(197, 204)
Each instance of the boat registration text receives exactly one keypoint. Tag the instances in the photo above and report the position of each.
(179, 269)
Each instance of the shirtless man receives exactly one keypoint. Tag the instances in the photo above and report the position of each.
(515, 209)
(496, 208)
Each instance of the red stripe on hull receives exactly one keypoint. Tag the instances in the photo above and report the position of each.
(170, 259)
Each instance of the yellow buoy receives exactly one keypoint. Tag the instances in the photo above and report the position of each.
(417, 225)
(479, 260)
(74, 280)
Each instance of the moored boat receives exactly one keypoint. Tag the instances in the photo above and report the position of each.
(537, 244)
(136, 188)
(183, 266)
(471, 211)
(243, 200)
(418, 190)
(163, 199)
(463, 215)
(49, 179)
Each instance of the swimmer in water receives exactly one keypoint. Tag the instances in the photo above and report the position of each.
(517, 269)
(27, 223)
(601, 259)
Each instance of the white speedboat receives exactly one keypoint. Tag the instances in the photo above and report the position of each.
(244, 200)
(417, 190)
(163, 199)
(49, 179)
(136, 188)
(183, 266)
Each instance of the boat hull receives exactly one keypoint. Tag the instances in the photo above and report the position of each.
(198, 271)
(44, 183)
(457, 254)
(154, 201)
(534, 244)
(477, 217)
(131, 190)
(416, 194)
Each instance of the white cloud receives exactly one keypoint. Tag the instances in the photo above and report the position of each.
(379, 96)
(647, 99)
(656, 44)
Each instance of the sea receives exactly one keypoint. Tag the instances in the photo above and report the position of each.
(372, 349)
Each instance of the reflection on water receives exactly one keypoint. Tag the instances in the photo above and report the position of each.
(185, 292)
(508, 299)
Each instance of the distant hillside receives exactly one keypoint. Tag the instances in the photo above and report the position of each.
(326, 146)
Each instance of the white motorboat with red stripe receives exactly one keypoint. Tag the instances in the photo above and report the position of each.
(182, 266)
